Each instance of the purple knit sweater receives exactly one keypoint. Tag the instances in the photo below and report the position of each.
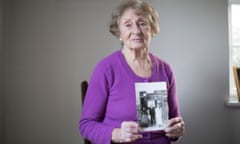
(110, 99)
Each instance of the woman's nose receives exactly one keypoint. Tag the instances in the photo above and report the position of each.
(136, 29)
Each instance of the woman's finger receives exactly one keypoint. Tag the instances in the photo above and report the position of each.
(173, 121)
(130, 131)
(175, 128)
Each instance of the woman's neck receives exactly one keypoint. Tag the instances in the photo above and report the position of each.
(139, 61)
(132, 55)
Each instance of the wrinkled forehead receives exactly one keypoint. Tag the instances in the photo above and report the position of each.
(130, 10)
(137, 10)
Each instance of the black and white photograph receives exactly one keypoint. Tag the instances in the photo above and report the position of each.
(152, 105)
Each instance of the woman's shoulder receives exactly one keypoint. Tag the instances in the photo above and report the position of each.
(162, 65)
(108, 61)
(159, 61)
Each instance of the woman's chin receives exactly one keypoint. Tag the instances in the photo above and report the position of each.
(138, 46)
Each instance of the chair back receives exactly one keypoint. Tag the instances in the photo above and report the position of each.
(84, 86)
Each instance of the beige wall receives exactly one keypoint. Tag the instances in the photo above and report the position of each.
(54, 44)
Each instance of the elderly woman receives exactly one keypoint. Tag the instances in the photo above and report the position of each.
(109, 114)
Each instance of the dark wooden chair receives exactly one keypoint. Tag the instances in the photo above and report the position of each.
(84, 86)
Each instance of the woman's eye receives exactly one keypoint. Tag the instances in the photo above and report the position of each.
(142, 23)
(127, 25)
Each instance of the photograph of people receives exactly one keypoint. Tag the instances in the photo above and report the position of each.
(109, 112)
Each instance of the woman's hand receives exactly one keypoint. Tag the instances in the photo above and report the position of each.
(175, 128)
(129, 132)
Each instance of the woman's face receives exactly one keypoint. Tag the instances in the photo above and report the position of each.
(135, 30)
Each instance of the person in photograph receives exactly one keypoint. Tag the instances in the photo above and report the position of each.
(151, 108)
(158, 114)
(144, 117)
(109, 113)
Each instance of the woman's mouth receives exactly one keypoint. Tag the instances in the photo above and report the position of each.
(137, 39)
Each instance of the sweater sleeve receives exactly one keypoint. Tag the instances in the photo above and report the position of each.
(174, 110)
(91, 124)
